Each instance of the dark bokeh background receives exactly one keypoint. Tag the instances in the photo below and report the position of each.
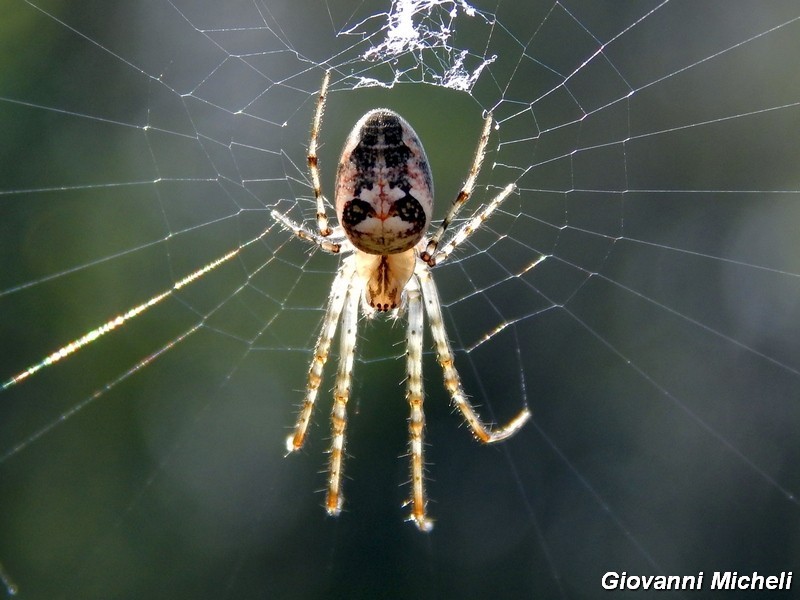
(657, 344)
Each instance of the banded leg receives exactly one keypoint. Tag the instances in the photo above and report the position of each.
(452, 381)
(415, 396)
(313, 160)
(470, 226)
(463, 195)
(341, 393)
(339, 292)
(304, 234)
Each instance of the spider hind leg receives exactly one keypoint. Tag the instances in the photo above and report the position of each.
(341, 394)
(415, 396)
(338, 295)
(452, 381)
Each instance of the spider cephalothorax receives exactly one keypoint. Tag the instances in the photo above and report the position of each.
(384, 199)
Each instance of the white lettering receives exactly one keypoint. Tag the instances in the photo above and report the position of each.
(689, 582)
(622, 581)
(669, 582)
(721, 581)
(610, 580)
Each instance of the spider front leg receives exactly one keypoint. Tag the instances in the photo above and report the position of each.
(304, 234)
(415, 396)
(469, 227)
(452, 381)
(313, 160)
(466, 191)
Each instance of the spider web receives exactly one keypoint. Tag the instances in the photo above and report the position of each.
(640, 292)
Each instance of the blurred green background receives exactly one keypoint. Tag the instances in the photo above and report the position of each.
(656, 344)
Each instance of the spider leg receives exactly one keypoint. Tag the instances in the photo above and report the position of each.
(313, 160)
(304, 234)
(463, 195)
(341, 393)
(470, 226)
(339, 291)
(452, 381)
(415, 396)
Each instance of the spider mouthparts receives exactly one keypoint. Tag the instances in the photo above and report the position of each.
(384, 307)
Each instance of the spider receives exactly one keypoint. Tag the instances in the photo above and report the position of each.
(384, 201)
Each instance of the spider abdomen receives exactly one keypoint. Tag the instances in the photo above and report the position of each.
(384, 187)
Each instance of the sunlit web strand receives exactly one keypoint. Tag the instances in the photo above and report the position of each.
(601, 501)
(715, 257)
(787, 493)
(97, 394)
(89, 337)
(644, 297)
(537, 525)
(144, 362)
